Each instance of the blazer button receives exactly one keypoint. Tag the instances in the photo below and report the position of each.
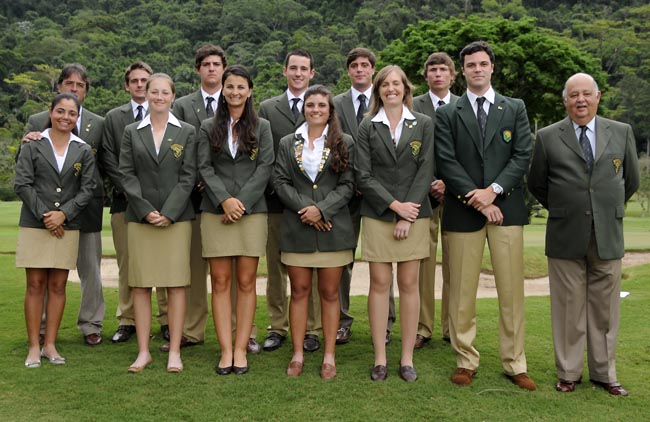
(588, 212)
(58, 189)
(56, 204)
(315, 186)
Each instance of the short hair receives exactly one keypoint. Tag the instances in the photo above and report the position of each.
(376, 102)
(56, 100)
(355, 53)
(161, 76)
(136, 66)
(209, 50)
(475, 47)
(299, 52)
(72, 68)
(571, 77)
(440, 58)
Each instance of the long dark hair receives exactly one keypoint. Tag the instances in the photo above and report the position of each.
(245, 127)
(334, 141)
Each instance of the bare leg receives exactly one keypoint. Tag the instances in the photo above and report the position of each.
(246, 303)
(409, 305)
(34, 294)
(381, 274)
(176, 317)
(142, 313)
(328, 289)
(221, 278)
(56, 281)
(300, 278)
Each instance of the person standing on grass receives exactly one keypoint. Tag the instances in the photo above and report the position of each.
(584, 170)
(314, 179)
(394, 169)
(55, 180)
(483, 146)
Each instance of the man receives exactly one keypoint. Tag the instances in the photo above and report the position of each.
(74, 79)
(584, 170)
(284, 113)
(135, 80)
(483, 144)
(351, 106)
(440, 73)
(209, 63)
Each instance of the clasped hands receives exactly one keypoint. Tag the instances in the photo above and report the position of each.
(312, 216)
(482, 201)
(408, 212)
(155, 218)
(233, 210)
(53, 221)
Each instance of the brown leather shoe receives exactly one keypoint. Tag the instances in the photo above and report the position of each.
(420, 341)
(462, 376)
(379, 373)
(566, 386)
(93, 339)
(327, 371)
(343, 335)
(407, 373)
(185, 342)
(523, 381)
(294, 369)
(613, 388)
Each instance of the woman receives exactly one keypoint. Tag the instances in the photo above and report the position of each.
(315, 181)
(158, 161)
(394, 170)
(54, 179)
(235, 159)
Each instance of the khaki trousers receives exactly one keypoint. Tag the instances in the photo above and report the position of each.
(427, 281)
(196, 295)
(585, 308)
(465, 256)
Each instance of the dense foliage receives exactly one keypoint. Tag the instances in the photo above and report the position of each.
(538, 45)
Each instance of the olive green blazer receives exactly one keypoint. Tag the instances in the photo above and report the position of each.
(244, 177)
(42, 188)
(345, 112)
(330, 193)
(158, 182)
(465, 163)
(576, 199)
(191, 109)
(385, 173)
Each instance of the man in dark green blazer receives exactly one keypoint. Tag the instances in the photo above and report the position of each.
(584, 170)
(284, 112)
(209, 63)
(483, 145)
(440, 73)
(350, 111)
(135, 79)
(74, 79)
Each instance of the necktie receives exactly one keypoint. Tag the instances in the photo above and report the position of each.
(362, 108)
(208, 107)
(140, 114)
(440, 103)
(294, 108)
(585, 145)
(481, 116)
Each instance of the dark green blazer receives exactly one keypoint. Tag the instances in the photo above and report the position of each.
(277, 111)
(191, 109)
(385, 174)
(575, 199)
(465, 164)
(42, 188)
(114, 123)
(158, 182)
(422, 104)
(244, 177)
(91, 132)
(330, 192)
(346, 114)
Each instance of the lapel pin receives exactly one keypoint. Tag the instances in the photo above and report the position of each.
(499, 107)
(169, 140)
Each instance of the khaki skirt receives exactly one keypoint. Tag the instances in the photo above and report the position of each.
(317, 259)
(247, 237)
(37, 248)
(379, 245)
(159, 256)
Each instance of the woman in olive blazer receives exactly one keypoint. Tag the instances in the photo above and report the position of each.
(235, 163)
(314, 179)
(54, 179)
(394, 170)
(158, 161)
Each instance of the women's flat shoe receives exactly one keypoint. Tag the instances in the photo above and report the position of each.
(174, 369)
(239, 370)
(137, 369)
(31, 364)
(294, 369)
(379, 373)
(54, 360)
(223, 371)
(407, 373)
(327, 371)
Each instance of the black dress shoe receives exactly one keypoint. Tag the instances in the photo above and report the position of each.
(379, 373)
(253, 346)
(343, 335)
(273, 341)
(93, 339)
(223, 371)
(389, 336)
(311, 343)
(164, 330)
(239, 370)
(407, 373)
(123, 333)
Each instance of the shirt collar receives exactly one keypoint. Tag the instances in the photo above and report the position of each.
(290, 96)
(206, 95)
(134, 106)
(171, 120)
(356, 93)
(489, 95)
(46, 134)
(435, 98)
(381, 116)
(303, 132)
(591, 125)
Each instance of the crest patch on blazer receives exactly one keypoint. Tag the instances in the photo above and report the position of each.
(254, 153)
(77, 169)
(506, 135)
(617, 164)
(177, 149)
(415, 147)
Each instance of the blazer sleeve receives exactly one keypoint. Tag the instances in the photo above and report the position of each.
(339, 198)
(24, 183)
(419, 189)
(109, 156)
(253, 189)
(178, 198)
(132, 187)
(538, 173)
(283, 182)
(631, 169)
(72, 208)
(215, 189)
(511, 174)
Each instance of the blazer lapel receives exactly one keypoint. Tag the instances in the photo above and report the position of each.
(46, 150)
(603, 136)
(568, 136)
(427, 106)
(147, 140)
(349, 114)
(298, 146)
(198, 106)
(408, 130)
(171, 133)
(71, 158)
(282, 105)
(494, 118)
(467, 116)
(384, 133)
